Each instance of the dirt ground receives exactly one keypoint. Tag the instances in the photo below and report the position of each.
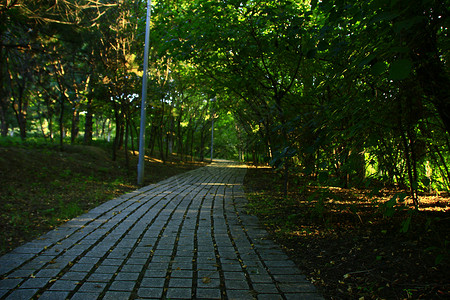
(351, 244)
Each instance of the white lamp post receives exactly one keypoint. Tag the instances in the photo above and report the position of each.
(212, 127)
(140, 175)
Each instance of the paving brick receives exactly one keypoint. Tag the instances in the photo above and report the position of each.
(297, 287)
(112, 262)
(236, 285)
(89, 260)
(34, 283)
(182, 273)
(231, 267)
(182, 265)
(273, 297)
(81, 268)
(107, 269)
(207, 282)
(234, 276)
(95, 287)
(10, 283)
(150, 293)
(122, 286)
(131, 269)
(141, 255)
(116, 295)
(74, 276)
(152, 282)
(265, 288)
(155, 273)
(179, 293)
(85, 296)
(210, 267)
(20, 294)
(291, 278)
(203, 293)
(136, 261)
(53, 295)
(258, 278)
(284, 271)
(3, 292)
(100, 277)
(240, 295)
(63, 285)
(180, 282)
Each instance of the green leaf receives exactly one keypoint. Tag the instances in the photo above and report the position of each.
(378, 68)
(322, 46)
(405, 225)
(407, 24)
(311, 53)
(383, 16)
(323, 177)
(400, 69)
(367, 60)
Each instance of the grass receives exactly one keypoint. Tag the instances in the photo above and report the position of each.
(43, 187)
(354, 244)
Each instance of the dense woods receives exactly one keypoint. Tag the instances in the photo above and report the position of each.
(344, 92)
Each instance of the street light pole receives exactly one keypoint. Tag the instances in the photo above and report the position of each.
(212, 128)
(140, 175)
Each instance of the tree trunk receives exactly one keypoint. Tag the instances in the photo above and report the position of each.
(61, 123)
(161, 146)
(88, 125)
(133, 126)
(151, 140)
(3, 122)
(119, 126)
(127, 162)
(3, 100)
(20, 106)
(180, 135)
(75, 121)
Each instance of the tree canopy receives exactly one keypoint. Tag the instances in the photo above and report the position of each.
(345, 92)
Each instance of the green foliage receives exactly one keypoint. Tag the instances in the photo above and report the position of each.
(400, 69)
(339, 91)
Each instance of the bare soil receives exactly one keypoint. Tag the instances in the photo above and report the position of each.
(351, 245)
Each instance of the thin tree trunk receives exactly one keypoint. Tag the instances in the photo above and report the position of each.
(75, 121)
(61, 123)
(412, 188)
(127, 160)
(161, 146)
(88, 125)
(3, 123)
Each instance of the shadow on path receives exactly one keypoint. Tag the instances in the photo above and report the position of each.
(186, 237)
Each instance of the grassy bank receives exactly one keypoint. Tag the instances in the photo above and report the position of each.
(42, 187)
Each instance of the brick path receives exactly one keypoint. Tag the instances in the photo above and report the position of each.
(187, 237)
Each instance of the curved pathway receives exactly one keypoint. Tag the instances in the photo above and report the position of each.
(187, 237)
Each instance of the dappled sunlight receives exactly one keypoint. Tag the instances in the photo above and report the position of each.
(152, 159)
(434, 203)
(220, 184)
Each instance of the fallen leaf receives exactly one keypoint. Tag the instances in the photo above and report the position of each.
(206, 280)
